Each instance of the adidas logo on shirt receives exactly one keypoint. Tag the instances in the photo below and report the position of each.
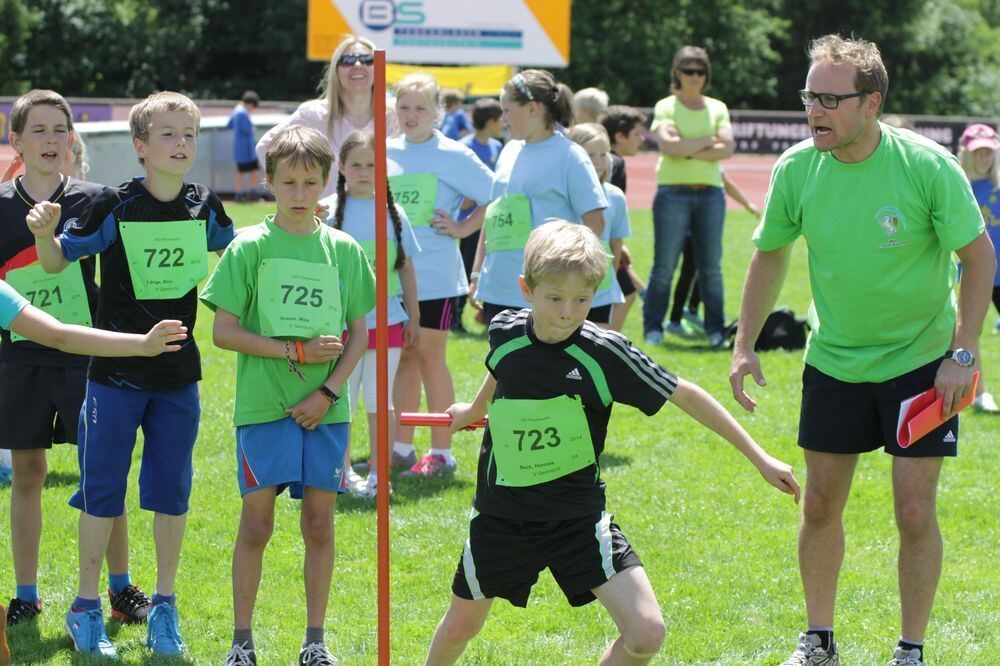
(949, 438)
(574, 374)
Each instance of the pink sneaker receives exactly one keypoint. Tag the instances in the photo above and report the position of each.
(431, 465)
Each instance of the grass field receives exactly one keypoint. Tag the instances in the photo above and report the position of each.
(717, 542)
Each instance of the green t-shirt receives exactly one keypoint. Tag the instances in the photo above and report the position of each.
(264, 386)
(690, 125)
(880, 235)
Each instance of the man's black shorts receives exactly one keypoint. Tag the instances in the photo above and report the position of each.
(844, 417)
(39, 405)
(502, 558)
(247, 167)
(625, 281)
(600, 315)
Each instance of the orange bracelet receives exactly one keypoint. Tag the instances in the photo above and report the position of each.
(301, 352)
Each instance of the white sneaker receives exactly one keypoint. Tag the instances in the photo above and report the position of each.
(369, 488)
(654, 338)
(984, 402)
(810, 653)
(903, 657)
(354, 480)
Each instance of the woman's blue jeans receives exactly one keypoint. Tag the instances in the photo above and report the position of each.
(676, 209)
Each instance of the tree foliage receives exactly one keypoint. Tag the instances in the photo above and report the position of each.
(943, 56)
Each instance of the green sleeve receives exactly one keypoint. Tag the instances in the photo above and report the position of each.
(722, 116)
(955, 214)
(229, 285)
(780, 222)
(662, 113)
(358, 295)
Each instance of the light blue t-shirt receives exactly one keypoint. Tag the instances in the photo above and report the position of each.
(616, 225)
(558, 179)
(359, 224)
(460, 174)
(11, 304)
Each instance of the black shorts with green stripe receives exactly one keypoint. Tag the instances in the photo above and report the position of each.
(502, 558)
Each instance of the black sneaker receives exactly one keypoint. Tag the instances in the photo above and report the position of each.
(239, 655)
(21, 611)
(316, 654)
(130, 606)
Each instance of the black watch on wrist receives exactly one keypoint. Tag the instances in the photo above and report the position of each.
(963, 357)
(328, 394)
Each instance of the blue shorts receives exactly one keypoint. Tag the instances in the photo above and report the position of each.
(109, 420)
(286, 455)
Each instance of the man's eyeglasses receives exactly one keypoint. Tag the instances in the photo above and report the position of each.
(826, 100)
(349, 59)
(692, 71)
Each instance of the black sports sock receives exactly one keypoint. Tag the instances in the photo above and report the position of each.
(912, 646)
(825, 637)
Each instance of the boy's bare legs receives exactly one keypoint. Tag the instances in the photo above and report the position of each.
(30, 468)
(619, 312)
(821, 535)
(406, 390)
(459, 625)
(168, 535)
(914, 482)
(316, 523)
(629, 598)
(117, 552)
(94, 536)
(256, 527)
(436, 379)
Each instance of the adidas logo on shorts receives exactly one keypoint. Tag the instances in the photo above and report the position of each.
(949, 438)
(574, 374)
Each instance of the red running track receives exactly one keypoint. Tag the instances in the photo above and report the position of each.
(751, 173)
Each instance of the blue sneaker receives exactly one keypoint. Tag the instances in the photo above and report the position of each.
(86, 628)
(163, 634)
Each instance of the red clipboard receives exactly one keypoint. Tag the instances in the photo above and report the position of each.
(922, 413)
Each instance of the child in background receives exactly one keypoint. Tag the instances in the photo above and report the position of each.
(589, 104)
(153, 235)
(438, 176)
(540, 175)
(456, 121)
(283, 293)
(593, 138)
(354, 213)
(553, 379)
(245, 147)
(42, 389)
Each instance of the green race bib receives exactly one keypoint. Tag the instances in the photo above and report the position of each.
(369, 248)
(606, 282)
(165, 259)
(298, 299)
(62, 295)
(508, 223)
(416, 193)
(536, 441)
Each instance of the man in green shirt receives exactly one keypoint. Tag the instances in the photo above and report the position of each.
(882, 210)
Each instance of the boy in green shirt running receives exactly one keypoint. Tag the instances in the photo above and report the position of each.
(283, 293)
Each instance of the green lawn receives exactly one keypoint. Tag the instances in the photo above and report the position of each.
(717, 542)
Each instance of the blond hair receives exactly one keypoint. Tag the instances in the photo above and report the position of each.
(330, 89)
(584, 133)
(141, 115)
(970, 165)
(593, 100)
(559, 247)
(424, 84)
(861, 54)
(299, 145)
(78, 164)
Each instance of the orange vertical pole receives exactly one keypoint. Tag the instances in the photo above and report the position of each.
(381, 358)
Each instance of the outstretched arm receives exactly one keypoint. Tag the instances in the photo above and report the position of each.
(45, 329)
(465, 413)
(706, 410)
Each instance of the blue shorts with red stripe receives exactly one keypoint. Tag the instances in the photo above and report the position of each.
(286, 455)
(109, 420)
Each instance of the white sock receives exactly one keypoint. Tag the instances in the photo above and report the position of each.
(402, 449)
(444, 453)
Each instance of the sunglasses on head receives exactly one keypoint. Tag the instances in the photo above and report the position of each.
(349, 59)
(692, 71)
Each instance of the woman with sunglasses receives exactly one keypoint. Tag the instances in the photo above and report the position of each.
(346, 103)
(694, 134)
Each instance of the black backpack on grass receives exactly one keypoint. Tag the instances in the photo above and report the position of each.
(781, 330)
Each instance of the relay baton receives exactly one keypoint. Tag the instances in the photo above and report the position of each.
(434, 420)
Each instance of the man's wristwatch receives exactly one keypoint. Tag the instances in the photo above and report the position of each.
(328, 394)
(963, 357)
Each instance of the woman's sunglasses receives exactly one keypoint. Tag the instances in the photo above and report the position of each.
(692, 71)
(349, 59)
